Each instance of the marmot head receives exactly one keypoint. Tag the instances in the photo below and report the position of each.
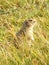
(29, 23)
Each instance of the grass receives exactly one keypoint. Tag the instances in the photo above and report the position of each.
(12, 15)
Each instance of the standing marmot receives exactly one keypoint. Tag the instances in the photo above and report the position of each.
(26, 31)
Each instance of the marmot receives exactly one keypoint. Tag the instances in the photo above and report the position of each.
(26, 31)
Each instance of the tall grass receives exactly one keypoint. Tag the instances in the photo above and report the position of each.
(12, 15)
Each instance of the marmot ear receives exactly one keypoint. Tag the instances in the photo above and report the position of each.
(27, 23)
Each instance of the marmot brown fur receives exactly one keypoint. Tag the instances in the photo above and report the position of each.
(26, 31)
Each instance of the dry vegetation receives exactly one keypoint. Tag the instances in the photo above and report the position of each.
(12, 15)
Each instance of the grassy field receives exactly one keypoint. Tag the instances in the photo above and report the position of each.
(12, 14)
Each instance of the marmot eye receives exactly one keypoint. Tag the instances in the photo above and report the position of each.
(30, 20)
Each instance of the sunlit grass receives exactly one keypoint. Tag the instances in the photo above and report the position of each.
(12, 15)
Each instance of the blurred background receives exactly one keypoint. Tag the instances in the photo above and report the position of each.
(12, 14)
